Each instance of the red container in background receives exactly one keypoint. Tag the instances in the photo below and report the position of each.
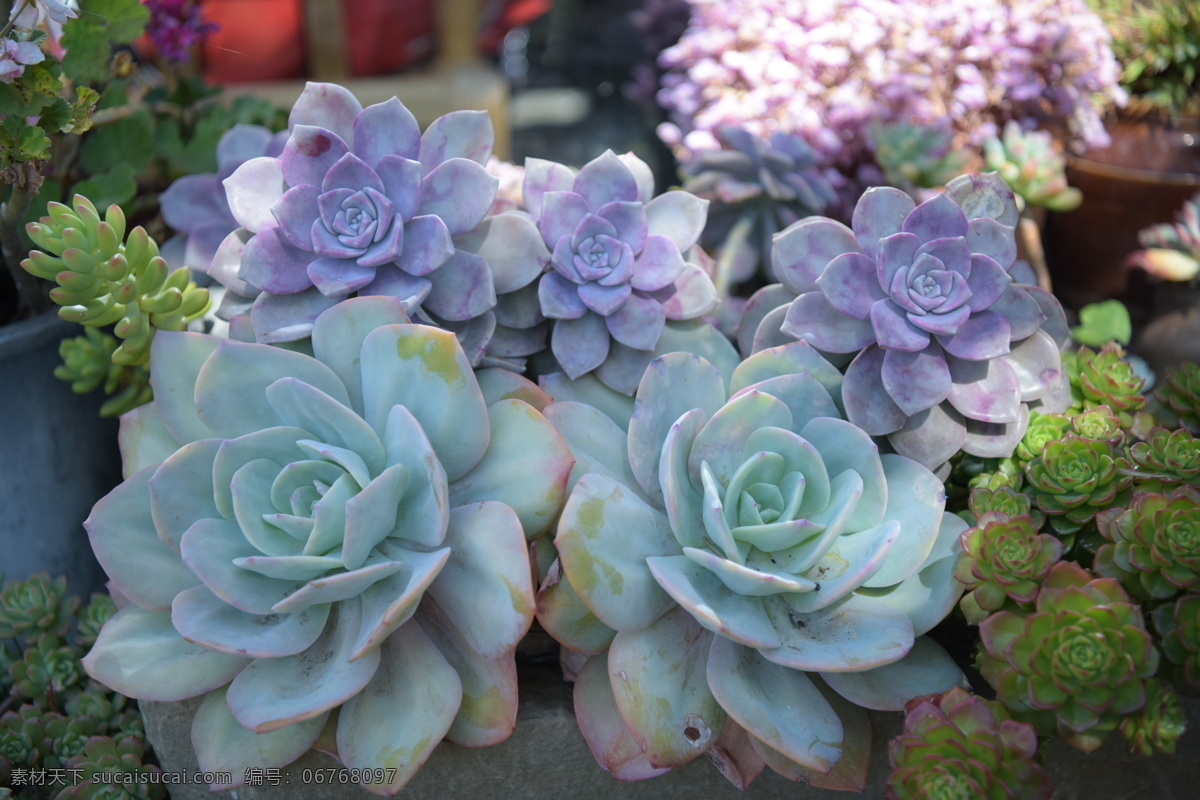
(263, 40)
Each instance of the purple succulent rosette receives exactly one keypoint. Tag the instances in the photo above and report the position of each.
(362, 202)
(195, 206)
(946, 352)
(619, 272)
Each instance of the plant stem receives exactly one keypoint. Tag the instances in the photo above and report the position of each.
(9, 26)
(12, 214)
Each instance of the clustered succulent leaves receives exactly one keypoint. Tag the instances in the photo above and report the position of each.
(739, 554)
(1154, 543)
(1077, 664)
(1005, 560)
(755, 187)
(619, 272)
(957, 745)
(360, 201)
(1032, 168)
(946, 351)
(105, 278)
(54, 720)
(1179, 396)
(302, 534)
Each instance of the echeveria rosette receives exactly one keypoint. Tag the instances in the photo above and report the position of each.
(945, 351)
(957, 746)
(361, 201)
(299, 534)
(1153, 545)
(1042, 429)
(1004, 561)
(1074, 478)
(36, 605)
(750, 572)
(195, 206)
(1003, 500)
(1158, 725)
(619, 270)
(1166, 458)
(756, 187)
(1179, 395)
(1076, 665)
(1178, 626)
(1104, 377)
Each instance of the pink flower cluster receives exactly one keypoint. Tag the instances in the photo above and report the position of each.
(826, 69)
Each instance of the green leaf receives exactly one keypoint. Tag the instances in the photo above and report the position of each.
(88, 50)
(11, 102)
(21, 141)
(56, 117)
(114, 186)
(122, 20)
(1101, 323)
(125, 142)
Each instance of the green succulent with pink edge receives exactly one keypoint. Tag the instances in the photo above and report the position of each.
(1077, 664)
(1179, 393)
(1004, 561)
(1153, 545)
(747, 572)
(1003, 500)
(1178, 626)
(957, 746)
(303, 536)
(1158, 725)
(1167, 458)
(34, 606)
(1104, 377)
(1099, 423)
(1074, 478)
(1043, 429)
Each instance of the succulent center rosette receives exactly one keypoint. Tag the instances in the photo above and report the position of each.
(361, 201)
(946, 351)
(300, 534)
(746, 551)
(620, 267)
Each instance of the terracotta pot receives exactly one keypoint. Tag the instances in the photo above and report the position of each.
(1143, 178)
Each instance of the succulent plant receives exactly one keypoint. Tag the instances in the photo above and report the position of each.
(1003, 500)
(195, 206)
(284, 517)
(1179, 392)
(49, 666)
(948, 353)
(755, 188)
(1104, 377)
(1032, 167)
(88, 365)
(1074, 478)
(35, 606)
(1158, 725)
(105, 278)
(957, 745)
(753, 565)
(1077, 664)
(1004, 558)
(1099, 423)
(1178, 626)
(1167, 457)
(619, 272)
(111, 769)
(361, 202)
(1172, 250)
(1042, 429)
(1154, 544)
(914, 156)
(91, 618)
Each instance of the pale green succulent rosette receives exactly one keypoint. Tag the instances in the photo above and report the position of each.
(335, 539)
(749, 572)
